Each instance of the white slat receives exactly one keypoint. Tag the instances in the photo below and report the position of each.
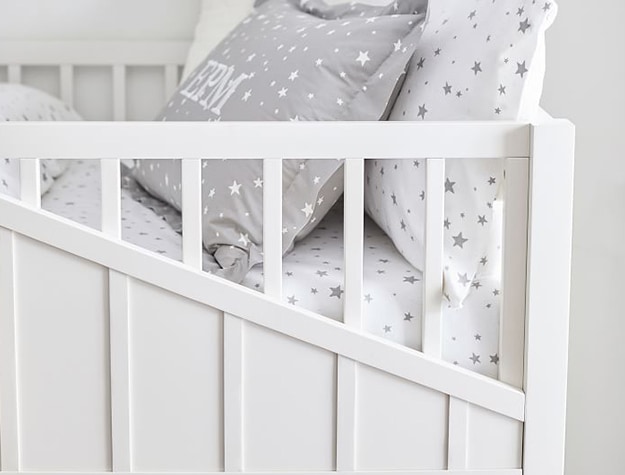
(9, 435)
(457, 449)
(433, 284)
(192, 212)
(233, 393)
(119, 92)
(14, 73)
(111, 197)
(120, 371)
(352, 311)
(67, 84)
(30, 181)
(171, 80)
(548, 303)
(282, 472)
(272, 226)
(512, 326)
(354, 220)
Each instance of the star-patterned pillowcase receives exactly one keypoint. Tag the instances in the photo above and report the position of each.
(20, 103)
(286, 61)
(477, 60)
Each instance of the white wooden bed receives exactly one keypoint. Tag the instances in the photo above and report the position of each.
(137, 363)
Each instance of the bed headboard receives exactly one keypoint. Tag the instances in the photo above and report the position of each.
(138, 75)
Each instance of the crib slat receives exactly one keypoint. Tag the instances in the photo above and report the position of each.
(119, 92)
(171, 80)
(192, 212)
(354, 241)
(512, 321)
(352, 311)
(14, 73)
(433, 277)
(457, 451)
(120, 371)
(67, 84)
(9, 439)
(30, 181)
(272, 226)
(111, 223)
(233, 393)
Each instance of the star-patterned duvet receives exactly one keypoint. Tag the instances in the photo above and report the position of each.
(313, 273)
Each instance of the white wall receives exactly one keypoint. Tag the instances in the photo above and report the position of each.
(585, 82)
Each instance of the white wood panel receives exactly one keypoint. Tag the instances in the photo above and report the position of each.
(176, 382)
(171, 80)
(458, 442)
(256, 308)
(297, 140)
(289, 404)
(30, 181)
(272, 227)
(549, 274)
(119, 93)
(63, 360)
(67, 83)
(111, 197)
(15, 73)
(401, 426)
(494, 441)
(347, 401)
(233, 393)
(191, 172)
(120, 371)
(433, 286)
(512, 319)
(9, 430)
(91, 53)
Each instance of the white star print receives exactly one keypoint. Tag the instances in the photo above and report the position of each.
(294, 75)
(211, 194)
(319, 62)
(244, 239)
(398, 45)
(282, 92)
(307, 209)
(247, 95)
(258, 183)
(235, 188)
(363, 58)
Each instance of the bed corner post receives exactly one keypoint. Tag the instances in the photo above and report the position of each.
(549, 272)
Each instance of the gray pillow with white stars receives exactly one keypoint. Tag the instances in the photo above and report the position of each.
(289, 60)
(477, 60)
(23, 103)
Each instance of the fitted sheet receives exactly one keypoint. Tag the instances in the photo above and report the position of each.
(313, 271)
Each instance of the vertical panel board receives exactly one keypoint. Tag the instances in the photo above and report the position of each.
(30, 181)
(234, 331)
(401, 425)
(120, 377)
(63, 360)
(66, 75)
(176, 383)
(494, 441)
(512, 326)
(289, 404)
(457, 450)
(119, 92)
(145, 89)
(9, 437)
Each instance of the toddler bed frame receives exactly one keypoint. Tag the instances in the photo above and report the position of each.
(116, 359)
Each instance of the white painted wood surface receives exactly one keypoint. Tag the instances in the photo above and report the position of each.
(218, 140)
(272, 227)
(234, 345)
(549, 275)
(30, 181)
(111, 218)
(514, 272)
(9, 430)
(192, 212)
(432, 332)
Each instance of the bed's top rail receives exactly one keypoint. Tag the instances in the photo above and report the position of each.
(300, 140)
(93, 53)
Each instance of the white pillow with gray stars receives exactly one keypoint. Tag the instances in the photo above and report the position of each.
(289, 60)
(477, 60)
(22, 103)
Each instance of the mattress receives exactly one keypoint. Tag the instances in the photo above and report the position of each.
(313, 271)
